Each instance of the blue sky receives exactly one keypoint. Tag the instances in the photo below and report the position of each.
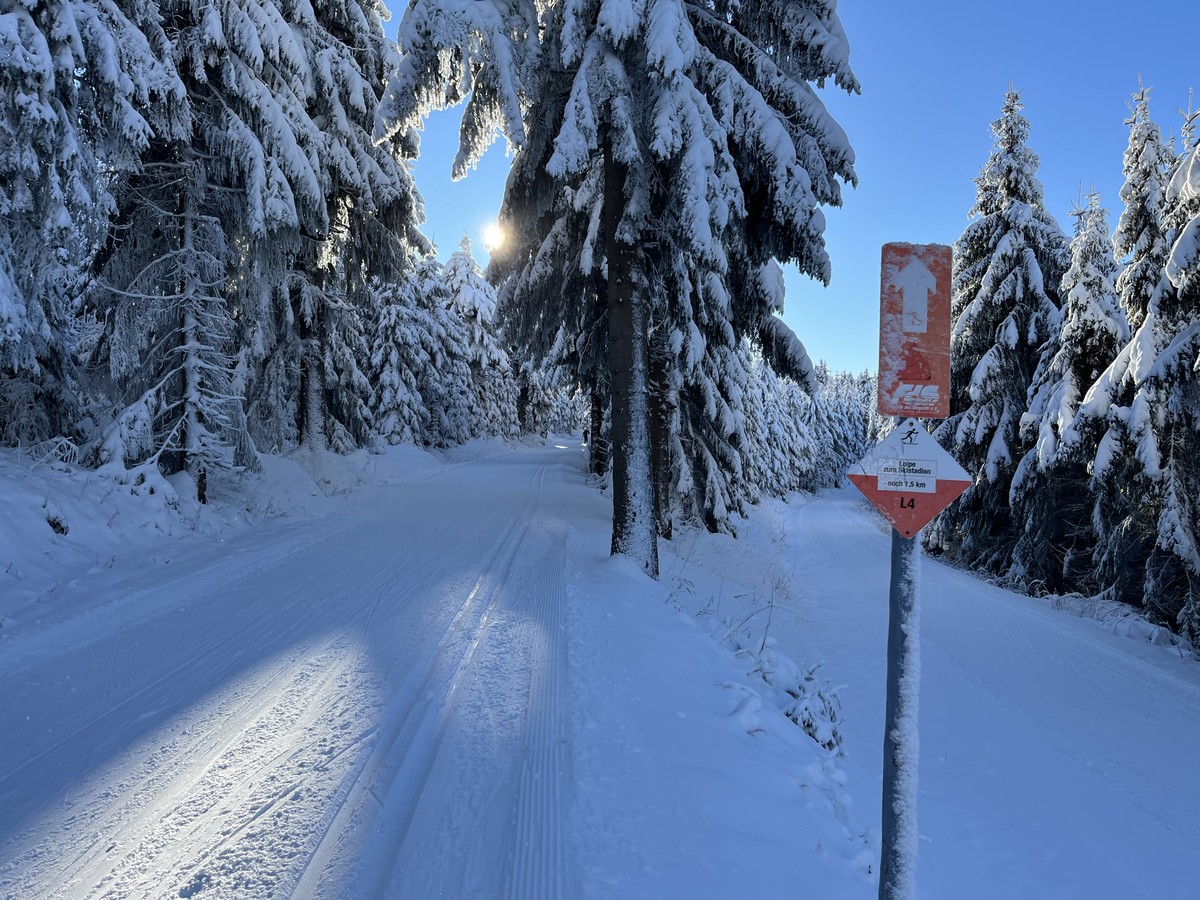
(932, 84)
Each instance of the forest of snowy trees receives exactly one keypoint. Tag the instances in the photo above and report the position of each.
(210, 250)
(668, 157)
(1076, 379)
(210, 245)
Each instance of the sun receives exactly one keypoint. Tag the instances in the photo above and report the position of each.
(493, 237)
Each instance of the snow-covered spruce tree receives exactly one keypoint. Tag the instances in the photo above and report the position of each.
(1051, 494)
(1140, 240)
(1124, 510)
(1169, 437)
(698, 420)
(844, 397)
(692, 144)
(698, 438)
(780, 449)
(494, 388)
(545, 388)
(836, 417)
(166, 344)
(400, 352)
(543, 295)
(855, 393)
(711, 277)
(446, 386)
(349, 392)
(1142, 402)
(716, 280)
(1008, 266)
(268, 356)
(226, 189)
(78, 82)
(363, 225)
(548, 285)
(553, 267)
(420, 363)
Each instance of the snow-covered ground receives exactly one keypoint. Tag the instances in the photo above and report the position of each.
(403, 676)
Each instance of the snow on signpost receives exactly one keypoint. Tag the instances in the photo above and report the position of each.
(909, 478)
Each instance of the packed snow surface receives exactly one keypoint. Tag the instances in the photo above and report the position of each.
(402, 676)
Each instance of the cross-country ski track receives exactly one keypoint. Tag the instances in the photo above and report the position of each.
(327, 710)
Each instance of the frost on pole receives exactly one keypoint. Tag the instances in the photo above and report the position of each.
(914, 331)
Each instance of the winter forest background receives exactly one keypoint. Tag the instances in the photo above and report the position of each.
(210, 250)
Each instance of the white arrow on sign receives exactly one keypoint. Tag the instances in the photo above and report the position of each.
(915, 282)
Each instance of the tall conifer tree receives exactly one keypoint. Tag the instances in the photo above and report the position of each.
(233, 170)
(1008, 265)
(80, 83)
(1051, 493)
(1139, 239)
(1145, 470)
(692, 144)
(1170, 434)
(493, 386)
(366, 222)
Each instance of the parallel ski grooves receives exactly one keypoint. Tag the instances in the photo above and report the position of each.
(541, 867)
(411, 727)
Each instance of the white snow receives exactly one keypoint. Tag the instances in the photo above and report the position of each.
(403, 675)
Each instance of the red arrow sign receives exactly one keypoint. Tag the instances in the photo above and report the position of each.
(914, 331)
(909, 478)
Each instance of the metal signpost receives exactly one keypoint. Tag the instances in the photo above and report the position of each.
(909, 478)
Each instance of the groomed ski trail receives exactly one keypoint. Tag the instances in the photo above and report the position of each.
(302, 725)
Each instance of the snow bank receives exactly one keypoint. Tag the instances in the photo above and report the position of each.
(62, 521)
(690, 779)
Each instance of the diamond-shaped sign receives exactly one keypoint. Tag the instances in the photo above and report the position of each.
(909, 478)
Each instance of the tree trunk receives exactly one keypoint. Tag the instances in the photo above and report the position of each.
(523, 404)
(312, 425)
(312, 370)
(597, 442)
(192, 366)
(598, 449)
(633, 532)
(660, 433)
